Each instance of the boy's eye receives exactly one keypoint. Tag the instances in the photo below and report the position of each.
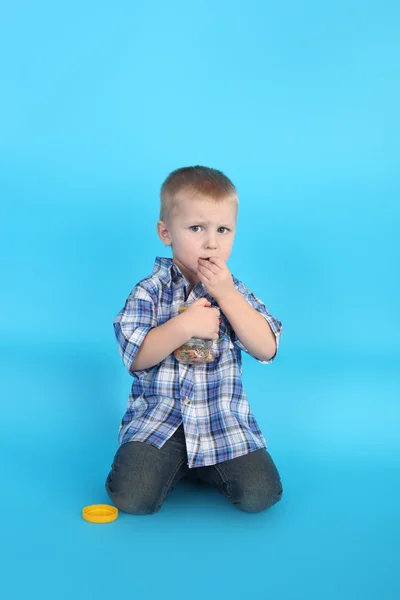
(193, 227)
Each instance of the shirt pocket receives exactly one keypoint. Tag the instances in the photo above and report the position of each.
(225, 334)
(224, 351)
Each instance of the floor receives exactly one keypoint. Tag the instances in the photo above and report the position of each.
(331, 429)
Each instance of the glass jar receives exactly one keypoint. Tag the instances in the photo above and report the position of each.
(195, 351)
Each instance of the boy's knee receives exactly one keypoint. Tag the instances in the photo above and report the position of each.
(135, 504)
(135, 501)
(258, 499)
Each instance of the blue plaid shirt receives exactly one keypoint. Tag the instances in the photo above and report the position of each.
(209, 399)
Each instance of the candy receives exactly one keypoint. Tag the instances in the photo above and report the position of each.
(198, 353)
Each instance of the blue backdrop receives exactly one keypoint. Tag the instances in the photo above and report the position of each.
(298, 105)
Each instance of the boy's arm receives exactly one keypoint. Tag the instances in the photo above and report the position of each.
(255, 330)
(142, 343)
(160, 342)
(250, 326)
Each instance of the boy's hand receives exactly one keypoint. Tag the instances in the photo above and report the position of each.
(202, 321)
(216, 276)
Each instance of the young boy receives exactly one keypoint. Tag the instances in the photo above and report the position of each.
(193, 420)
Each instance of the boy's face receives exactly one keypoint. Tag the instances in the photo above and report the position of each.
(199, 228)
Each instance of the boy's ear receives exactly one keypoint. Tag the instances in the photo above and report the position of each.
(163, 233)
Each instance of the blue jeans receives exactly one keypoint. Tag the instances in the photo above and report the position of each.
(142, 475)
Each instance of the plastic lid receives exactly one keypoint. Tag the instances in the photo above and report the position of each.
(100, 513)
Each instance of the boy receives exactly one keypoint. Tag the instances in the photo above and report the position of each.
(193, 420)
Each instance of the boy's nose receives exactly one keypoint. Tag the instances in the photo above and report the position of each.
(211, 243)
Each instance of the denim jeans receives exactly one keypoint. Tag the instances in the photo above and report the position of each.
(142, 475)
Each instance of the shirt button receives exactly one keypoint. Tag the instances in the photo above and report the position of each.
(187, 401)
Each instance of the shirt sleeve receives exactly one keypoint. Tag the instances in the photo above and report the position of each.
(132, 324)
(260, 307)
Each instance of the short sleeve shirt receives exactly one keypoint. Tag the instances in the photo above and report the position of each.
(208, 399)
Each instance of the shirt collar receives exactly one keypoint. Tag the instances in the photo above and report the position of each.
(167, 271)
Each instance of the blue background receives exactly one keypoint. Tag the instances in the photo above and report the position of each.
(298, 105)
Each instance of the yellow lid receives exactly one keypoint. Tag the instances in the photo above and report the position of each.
(100, 513)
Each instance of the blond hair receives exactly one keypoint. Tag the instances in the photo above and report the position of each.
(195, 180)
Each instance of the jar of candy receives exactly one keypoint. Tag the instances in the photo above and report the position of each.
(195, 351)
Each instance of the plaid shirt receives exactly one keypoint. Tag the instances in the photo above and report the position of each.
(209, 399)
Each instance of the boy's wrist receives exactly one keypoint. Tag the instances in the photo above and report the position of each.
(228, 298)
(184, 329)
